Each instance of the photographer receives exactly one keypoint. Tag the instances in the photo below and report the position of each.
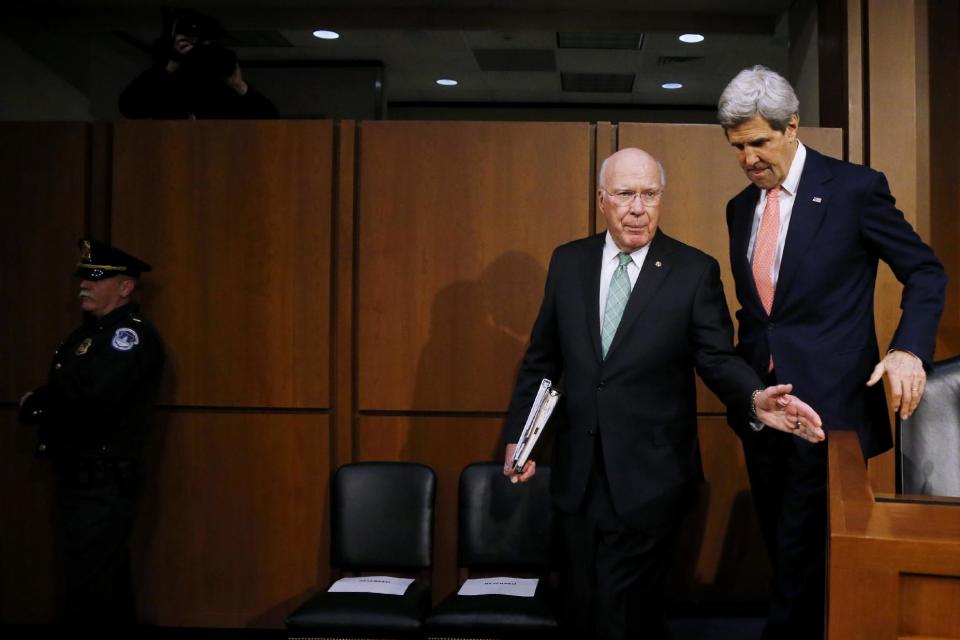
(193, 78)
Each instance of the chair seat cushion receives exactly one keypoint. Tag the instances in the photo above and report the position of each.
(364, 614)
(503, 615)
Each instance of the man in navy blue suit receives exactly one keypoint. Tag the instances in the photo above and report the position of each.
(805, 240)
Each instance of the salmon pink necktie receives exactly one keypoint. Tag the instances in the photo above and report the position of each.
(765, 250)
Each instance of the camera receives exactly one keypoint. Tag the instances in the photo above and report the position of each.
(210, 61)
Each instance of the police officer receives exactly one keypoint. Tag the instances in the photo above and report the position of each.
(92, 416)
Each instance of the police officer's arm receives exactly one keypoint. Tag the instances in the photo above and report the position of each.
(34, 404)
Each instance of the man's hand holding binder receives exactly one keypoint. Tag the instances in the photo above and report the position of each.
(529, 469)
(517, 463)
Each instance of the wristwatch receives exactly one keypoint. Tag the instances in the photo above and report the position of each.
(755, 423)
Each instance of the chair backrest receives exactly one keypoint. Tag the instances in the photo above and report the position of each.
(928, 442)
(382, 516)
(505, 525)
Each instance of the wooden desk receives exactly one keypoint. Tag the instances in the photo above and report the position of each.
(893, 561)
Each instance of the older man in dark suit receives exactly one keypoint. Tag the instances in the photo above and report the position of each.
(627, 317)
(805, 240)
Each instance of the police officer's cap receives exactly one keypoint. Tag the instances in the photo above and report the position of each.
(99, 261)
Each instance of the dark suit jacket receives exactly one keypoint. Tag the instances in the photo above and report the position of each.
(821, 327)
(642, 398)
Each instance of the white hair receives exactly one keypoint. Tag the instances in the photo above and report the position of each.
(758, 91)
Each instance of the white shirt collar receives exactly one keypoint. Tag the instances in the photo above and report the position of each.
(610, 251)
(792, 181)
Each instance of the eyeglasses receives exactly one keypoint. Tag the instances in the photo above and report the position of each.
(649, 198)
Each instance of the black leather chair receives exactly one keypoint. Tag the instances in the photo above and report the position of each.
(928, 442)
(504, 529)
(381, 521)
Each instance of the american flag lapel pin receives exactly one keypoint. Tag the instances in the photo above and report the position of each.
(817, 199)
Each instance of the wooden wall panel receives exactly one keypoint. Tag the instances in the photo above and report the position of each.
(856, 79)
(912, 97)
(447, 444)
(897, 122)
(702, 175)
(344, 327)
(236, 219)
(44, 192)
(721, 556)
(44, 195)
(944, 163)
(28, 577)
(456, 225)
(928, 605)
(894, 149)
(233, 527)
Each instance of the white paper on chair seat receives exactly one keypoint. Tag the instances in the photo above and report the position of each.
(386, 585)
(523, 587)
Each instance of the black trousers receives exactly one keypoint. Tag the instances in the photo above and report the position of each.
(95, 509)
(788, 478)
(614, 577)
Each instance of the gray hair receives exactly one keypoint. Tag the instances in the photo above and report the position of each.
(758, 91)
(603, 172)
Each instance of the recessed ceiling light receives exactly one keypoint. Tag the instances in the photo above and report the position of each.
(326, 35)
(691, 38)
(672, 85)
(447, 82)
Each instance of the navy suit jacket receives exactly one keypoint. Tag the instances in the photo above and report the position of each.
(641, 399)
(821, 327)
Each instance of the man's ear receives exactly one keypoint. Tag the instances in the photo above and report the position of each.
(127, 285)
(792, 125)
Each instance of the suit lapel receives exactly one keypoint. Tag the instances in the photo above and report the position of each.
(809, 207)
(656, 266)
(591, 260)
(745, 206)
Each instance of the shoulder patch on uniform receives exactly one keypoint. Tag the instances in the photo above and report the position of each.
(125, 339)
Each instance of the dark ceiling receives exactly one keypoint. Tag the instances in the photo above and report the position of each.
(565, 52)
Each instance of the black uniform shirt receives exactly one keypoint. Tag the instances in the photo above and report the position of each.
(102, 385)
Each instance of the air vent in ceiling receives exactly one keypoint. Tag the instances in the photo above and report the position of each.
(569, 40)
(598, 82)
(515, 59)
(255, 38)
(664, 61)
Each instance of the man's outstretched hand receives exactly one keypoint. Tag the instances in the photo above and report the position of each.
(777, 409)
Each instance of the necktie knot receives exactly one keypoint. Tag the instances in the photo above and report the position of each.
(624, 259)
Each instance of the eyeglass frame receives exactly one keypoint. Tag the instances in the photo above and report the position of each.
(649, 198)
